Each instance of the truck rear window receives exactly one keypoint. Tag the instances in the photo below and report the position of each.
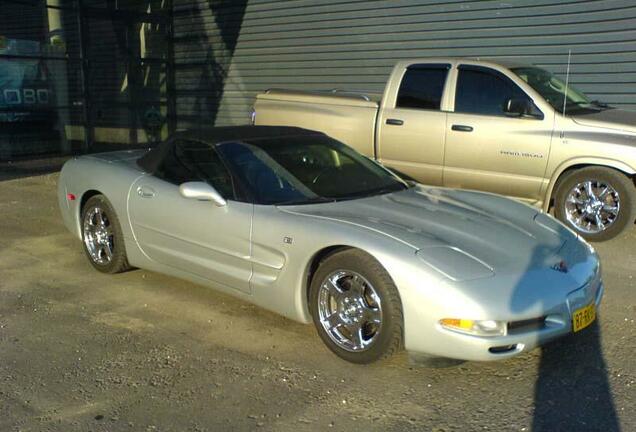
(422, 87)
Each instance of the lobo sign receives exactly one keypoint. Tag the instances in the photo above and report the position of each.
(25, 84)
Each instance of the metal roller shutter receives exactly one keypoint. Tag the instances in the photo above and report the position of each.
(226, 52)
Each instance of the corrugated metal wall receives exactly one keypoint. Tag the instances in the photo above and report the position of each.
(227, 51)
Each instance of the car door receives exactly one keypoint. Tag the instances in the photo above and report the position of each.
(412, 127)
(487, 148)
(193, 236)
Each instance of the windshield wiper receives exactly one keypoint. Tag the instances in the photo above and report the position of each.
(597, 104)
(600, 104)
(314, 200)
(373, 192)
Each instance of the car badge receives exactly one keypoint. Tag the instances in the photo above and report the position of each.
(561, 267)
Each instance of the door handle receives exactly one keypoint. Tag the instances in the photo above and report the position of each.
(145, 192)
(395, 122)
(462, 128)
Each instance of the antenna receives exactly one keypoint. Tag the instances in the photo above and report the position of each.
(567, 81)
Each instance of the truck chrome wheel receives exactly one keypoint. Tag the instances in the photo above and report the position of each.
(592, 206)
(350, 310)
(98, 236)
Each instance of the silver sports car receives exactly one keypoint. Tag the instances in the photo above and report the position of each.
(298, 223)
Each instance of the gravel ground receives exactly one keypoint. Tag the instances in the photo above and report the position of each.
(139, 351)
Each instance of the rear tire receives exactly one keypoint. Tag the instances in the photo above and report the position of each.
(356, 307)
(598, 203)
(102, 236)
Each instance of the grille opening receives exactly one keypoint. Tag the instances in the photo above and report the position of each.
(515, 327)
(502, 349)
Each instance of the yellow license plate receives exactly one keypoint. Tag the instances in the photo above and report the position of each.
(583, 317)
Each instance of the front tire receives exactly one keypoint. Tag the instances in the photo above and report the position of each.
(356, 307)
(598, 203)
(102, 236)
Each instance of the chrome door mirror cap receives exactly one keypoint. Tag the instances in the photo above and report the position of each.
(202, 192)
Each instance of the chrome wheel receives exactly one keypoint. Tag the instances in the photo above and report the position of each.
(350, 310)
(592, 206)
(98, 236)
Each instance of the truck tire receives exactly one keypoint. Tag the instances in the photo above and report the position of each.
(598, 203)
(356, 307)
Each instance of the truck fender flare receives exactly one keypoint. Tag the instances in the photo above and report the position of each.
(581, 163)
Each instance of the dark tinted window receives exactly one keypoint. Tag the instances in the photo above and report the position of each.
(422, 88)
(484, 91)
(173, 170)
(196, 161)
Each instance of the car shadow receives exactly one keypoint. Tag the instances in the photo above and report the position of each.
(572, 391)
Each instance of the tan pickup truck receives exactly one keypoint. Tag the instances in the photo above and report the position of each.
(508, 128)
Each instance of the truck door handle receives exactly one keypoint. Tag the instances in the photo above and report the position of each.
(462, 128)
(395, 122)
(145, 192)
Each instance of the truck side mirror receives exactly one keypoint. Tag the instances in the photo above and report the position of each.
(517, 107)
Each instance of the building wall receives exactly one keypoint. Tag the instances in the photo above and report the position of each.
(22, 21)
(119, 98)
(226, 52)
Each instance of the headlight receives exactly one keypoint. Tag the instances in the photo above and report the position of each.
(475, 327)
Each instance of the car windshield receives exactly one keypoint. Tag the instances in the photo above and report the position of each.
(553, 91)
(306, 169)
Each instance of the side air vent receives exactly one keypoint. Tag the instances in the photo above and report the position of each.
(502, 349)
(517, 327)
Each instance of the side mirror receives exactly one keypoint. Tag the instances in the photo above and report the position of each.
(202, 192)
(517, 107)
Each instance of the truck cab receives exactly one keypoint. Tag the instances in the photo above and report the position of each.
(459, 124)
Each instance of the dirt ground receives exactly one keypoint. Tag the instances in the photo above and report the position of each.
(83, 351)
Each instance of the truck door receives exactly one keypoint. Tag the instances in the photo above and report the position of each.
(411, 126)
(490, 145)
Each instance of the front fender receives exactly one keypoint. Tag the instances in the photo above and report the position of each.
(583, 162)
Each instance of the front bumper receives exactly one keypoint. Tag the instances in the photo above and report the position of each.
(554, 324)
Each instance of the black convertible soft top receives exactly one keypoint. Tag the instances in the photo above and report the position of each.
(152, 160)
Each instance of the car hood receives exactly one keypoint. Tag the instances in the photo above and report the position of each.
(614, 119)
(461, 234)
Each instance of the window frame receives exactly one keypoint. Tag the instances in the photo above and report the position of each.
(157, 173)
(420, 66)
(238, 193)
(494, 72)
